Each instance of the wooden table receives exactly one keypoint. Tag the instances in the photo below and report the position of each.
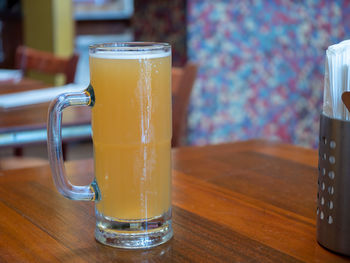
(27, 124)
(252, 201)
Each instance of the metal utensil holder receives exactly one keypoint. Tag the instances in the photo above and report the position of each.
(333, 196)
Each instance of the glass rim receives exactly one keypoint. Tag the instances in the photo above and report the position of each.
(130, 47)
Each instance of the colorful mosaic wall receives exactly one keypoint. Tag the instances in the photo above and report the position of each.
(261, 67)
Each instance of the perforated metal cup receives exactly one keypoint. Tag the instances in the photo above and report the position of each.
(333, 196)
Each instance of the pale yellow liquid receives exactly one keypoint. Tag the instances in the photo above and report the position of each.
(131, 123)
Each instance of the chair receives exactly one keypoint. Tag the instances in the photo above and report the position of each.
(27, 58)
(182, 84)
(45, 62)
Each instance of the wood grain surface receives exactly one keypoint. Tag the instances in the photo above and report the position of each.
(250, 201)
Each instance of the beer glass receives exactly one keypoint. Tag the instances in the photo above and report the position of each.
(130, 99)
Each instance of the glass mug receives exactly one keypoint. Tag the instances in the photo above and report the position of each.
(130, 96)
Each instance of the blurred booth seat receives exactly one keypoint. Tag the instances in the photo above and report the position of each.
(182, 84)
(45, 62)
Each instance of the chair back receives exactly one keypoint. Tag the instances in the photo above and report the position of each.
(46, 62)
(182, 84)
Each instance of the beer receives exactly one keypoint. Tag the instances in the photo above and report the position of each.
(131, 123)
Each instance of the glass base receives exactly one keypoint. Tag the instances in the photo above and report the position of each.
(133, 234)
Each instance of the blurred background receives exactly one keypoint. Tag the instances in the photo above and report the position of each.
(260, 63)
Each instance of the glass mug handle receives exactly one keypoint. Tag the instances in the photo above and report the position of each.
(54, 145)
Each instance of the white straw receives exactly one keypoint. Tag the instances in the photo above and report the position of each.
(337, 80)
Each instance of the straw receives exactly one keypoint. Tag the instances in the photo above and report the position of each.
(337, 80)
